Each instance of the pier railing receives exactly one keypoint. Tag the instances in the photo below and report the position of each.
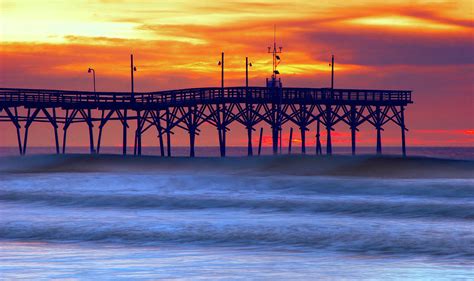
(205, 95)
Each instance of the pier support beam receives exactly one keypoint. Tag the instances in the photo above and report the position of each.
(319, 149)
(103, 120)
(66, 126)
(303, 139)
(275, 139)
(223, 131)
(328, 129)
(220, 119)
(249, 143)
(157, 120)
(138, 135)
(124, 133)
(290, 141)
(15, 121)
(51, 119)
(192, 138)
(353, 122)
(168, 132)
(91, 131)
(378, 127)
(402, 119)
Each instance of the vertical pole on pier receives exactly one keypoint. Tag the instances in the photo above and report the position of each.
(402, 117)
(132, 68)
(319, 149)
(332, 72)
(290, 140)
(246, 72)
(124, 145)
(93, 77)
(168, 132)
(91, 132)
(260, 142)
(303, 139)
(55, 128)
(222, 72)
(353, 129)
(328, 129)
(379, 128)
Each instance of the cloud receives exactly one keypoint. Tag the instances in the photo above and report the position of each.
(423, 46)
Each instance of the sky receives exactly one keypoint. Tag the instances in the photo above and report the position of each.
(424, 46)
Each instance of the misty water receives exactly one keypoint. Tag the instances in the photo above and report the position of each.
(230, 224)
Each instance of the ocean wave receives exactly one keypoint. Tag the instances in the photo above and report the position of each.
(356, 206)
(356, 240)
(362, 166)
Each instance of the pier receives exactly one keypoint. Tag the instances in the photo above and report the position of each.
(308, 109)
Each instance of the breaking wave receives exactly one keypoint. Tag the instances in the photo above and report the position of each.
(360, 206)
(304, 237)
(366, 166)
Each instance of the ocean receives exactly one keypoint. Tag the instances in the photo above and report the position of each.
(83, 217)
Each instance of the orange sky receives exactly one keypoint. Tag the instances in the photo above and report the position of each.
(425, 46)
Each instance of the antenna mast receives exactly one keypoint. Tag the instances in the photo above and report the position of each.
(275, 59)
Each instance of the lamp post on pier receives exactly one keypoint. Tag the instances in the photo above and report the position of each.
(247, 65)
(133, 68)
(332, 72)
(91, 70)
(221, 64)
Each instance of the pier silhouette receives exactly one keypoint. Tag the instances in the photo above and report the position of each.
(188, 109)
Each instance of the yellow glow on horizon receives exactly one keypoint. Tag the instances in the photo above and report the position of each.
(403, 22)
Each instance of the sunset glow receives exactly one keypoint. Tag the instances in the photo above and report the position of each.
(424, 46)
